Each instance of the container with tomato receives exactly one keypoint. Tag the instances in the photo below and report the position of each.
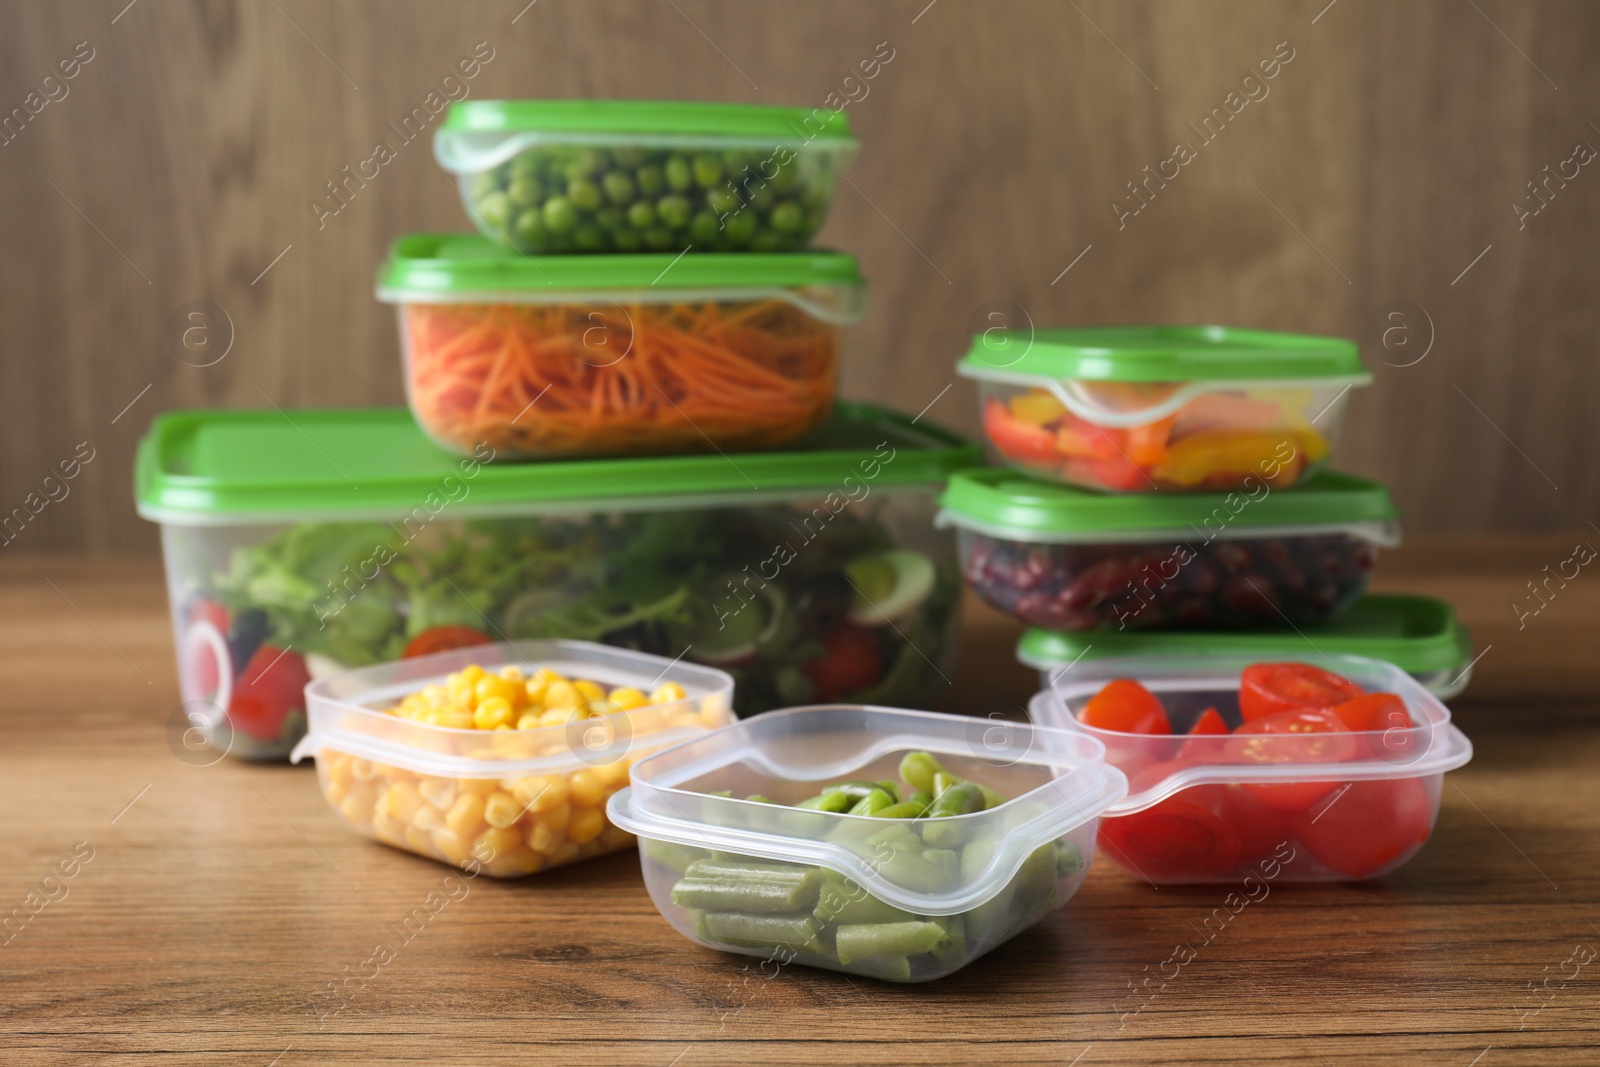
(1137, 409)
(501, 757)
(611, 355)
(1308, 772)
(890, 844)
(300, 545)
(1418, 634)
(1070, 559)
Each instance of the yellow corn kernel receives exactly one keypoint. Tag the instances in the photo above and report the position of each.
(586, 825)
(534, 689)
(490, 686)
(614, 775)
(501, 810)
(362, 770)
(586, 788)
(440, 792)
(546, 675)
(469, 675)
(481, 787)
(496, 842)
(419, 841)
(465, 815)
(596, 709)
(529, 720)
(452, 846)
(587, 690)
(511, 674)
(356, 809)
(387, 830)
(555, 819)
(428, 818)
(626, 698)
(434, 695)
(334, 790)
(542, 839)
(560, 694)
(540, 794)
(560, 716)
(456, 718)
(400, 802)
(667, 693)
(514, 863)
(493, 712)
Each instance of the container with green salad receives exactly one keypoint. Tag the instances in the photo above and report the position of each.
(300, 544)
(891, 844)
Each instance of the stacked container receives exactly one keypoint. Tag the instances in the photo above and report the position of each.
(1162, 513)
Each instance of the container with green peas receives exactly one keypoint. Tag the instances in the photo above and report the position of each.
(892, 844)
(553, 176)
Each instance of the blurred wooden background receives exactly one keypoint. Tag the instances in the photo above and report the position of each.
(1383, 164)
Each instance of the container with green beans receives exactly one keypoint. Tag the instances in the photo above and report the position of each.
(892, 844)
(551, 176)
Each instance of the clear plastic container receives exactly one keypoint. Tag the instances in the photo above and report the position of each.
(554, 176)
(1139, 409)
(1420, 635)
(1279, 807)
(612, 355)
(867, 896)
(1069, 559)
(509, 802)
(302, 545)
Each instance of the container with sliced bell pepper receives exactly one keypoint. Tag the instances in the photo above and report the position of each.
(1139, 409)
(1317, 771)
(1070, 559)
(885, 843)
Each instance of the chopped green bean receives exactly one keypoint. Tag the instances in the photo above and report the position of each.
(862, 941)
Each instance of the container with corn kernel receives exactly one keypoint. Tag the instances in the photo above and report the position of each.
(501, 757)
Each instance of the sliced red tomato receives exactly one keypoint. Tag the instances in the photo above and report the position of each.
(1269, 688)
(443, 639)
(1262, 829)
(1126, 707)
(1303, 736)
(851, 661)
(202, 668)
(1183, 838)
(1209, 724)
(1016, 439)
(271, 686)
(1364, 827)
(1384, 717)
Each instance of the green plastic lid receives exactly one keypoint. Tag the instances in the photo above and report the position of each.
(445, 265)
(670, 118)
(263, 466)
(1161, 354)
(999, 502)
(1417, 634)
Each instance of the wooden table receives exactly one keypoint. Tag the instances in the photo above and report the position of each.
(220, 901)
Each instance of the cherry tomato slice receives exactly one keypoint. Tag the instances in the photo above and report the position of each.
(852, 661)
(1263, 830)
(1126, 707)
(1268, 688)
(271, 686)
(1209, 724)
(443, 639)
(1384, 717)
(1183, 838)
(1015, 439)
(1293, 737)
(1366, 827)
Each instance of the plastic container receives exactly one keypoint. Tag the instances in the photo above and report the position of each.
(1276, 807)
(550, 176)
(998, 871)
(508, 802)
(1138, 409)
(1070, 559)
(308, 543)
(610, 355)
(1418, 634)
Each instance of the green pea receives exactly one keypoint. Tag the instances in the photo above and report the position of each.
(787, 178)
(707, 171)
(619, 187)
(524, 191)
(658, 239)
(674, 211)
(559, 215)
(763, 199)
(736, 159)
(495, 209)
(679, 174)
(524, 165)
(589, 237)
(787, 217)
(767, 241)
(628, 155)
(703, 228)
(610, 219)
(650, 180)
(584, 162)
(528, 230)
(483, 183)
(641, 215)
(723, 201)
(584, 194)
(740, 228)
(627, 241)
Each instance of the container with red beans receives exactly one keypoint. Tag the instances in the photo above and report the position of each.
(1070, 559)
(1289, 772)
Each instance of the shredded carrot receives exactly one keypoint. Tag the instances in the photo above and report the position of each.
(611, 379)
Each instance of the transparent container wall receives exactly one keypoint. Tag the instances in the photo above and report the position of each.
(819, 917)
(629, 194)
(505, 827)
(1442, 684)
(762, 591)
(517, 380)
(1197, 438)
(1135, 585)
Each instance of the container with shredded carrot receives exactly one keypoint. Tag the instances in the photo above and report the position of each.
(594, 355)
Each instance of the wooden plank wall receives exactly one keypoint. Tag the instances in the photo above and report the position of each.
(1383, 163)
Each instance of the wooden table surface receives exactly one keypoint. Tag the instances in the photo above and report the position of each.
(212, 906)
